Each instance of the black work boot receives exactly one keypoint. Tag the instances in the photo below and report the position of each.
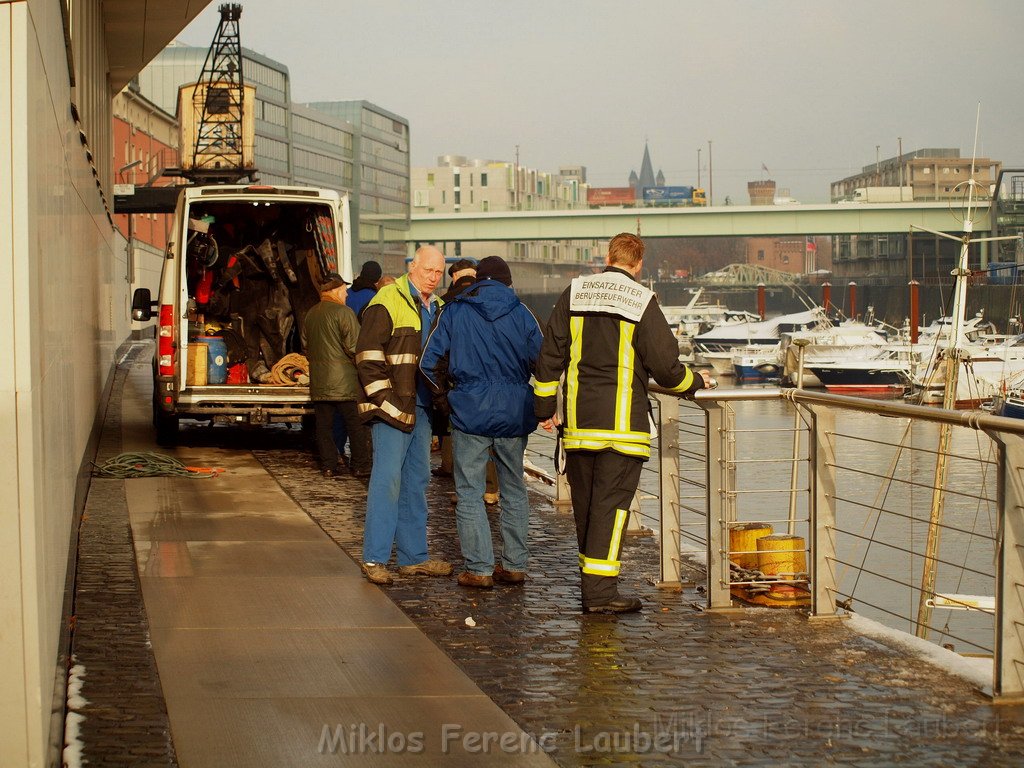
(618, 604)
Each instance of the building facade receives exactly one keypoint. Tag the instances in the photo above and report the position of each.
(932, 174)
(380, 180)
(938, 174)
(457, 184)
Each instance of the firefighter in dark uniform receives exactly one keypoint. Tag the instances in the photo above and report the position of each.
(606, 337)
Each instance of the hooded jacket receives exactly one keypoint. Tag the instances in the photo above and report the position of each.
(490, 341)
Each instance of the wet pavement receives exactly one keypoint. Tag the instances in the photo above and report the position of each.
(672, 685)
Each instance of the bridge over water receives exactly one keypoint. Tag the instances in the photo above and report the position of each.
(719, 221)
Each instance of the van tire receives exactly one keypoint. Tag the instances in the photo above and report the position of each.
(166, 429)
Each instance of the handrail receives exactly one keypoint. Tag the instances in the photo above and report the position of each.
(818, 413)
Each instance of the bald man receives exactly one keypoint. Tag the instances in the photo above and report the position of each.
(395, 326)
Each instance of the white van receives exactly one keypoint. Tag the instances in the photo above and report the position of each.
(243, 266)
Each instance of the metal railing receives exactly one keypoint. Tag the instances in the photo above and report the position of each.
(855, 479)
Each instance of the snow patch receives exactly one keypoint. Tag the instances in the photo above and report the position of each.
(73, 746)
(977, 671)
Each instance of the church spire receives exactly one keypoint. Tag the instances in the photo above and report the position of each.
(646, 178)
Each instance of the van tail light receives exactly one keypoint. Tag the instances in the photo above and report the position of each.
(165, 341)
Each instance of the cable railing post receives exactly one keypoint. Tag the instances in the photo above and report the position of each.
(1008, 662)
(718, 475)
(668, 476)
(822, 507)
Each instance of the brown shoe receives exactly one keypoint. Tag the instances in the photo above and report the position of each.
(377, 573)
(427, 568)
(508, 577)
(490, 499)
(478, 580)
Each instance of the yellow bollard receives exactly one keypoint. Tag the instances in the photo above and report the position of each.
(781, 554)
(743, 541)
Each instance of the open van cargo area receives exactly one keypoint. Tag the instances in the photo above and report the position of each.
(252, 272)
(244, 266)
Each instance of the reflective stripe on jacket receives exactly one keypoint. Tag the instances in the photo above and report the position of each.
(607, 336)
(388, 355)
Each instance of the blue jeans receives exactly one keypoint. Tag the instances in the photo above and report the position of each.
(471, 453)
(396, 504)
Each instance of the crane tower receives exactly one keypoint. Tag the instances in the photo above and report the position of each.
(216, 113)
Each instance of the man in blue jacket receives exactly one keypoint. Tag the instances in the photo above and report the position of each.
(482, 352)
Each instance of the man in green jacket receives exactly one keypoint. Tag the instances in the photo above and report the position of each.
(331, 334)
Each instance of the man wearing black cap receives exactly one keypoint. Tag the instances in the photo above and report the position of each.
(331, 334)
(463, 275)
(491, 342)
(364, 287)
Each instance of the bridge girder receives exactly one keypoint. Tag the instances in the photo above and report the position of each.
(719, 221)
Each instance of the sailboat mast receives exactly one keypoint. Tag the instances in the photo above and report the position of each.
(952, 362)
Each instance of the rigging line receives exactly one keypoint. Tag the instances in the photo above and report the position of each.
(863, 439)
(878, 501)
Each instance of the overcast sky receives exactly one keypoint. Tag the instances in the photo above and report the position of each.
(806, 88)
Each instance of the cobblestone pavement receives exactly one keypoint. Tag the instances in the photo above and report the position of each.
(669, 686)
(123, 717)
(672, 685)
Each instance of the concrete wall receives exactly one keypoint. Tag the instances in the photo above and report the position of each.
(63, 313)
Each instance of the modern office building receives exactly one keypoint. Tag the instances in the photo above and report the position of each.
(350, 146)
(457, 184)
(380, 179)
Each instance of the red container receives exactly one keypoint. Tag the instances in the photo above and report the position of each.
(238, 374)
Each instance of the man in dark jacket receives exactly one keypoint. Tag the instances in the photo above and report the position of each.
(491, 341)
(364, 287)
(331, 334)
(463, 275)
(608, 337)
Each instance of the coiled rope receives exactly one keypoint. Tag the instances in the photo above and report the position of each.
(290, 370)
(128, 465)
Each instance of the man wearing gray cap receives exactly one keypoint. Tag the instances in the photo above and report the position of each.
(491, 342)
(331, 334)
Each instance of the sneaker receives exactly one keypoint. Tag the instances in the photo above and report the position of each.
(508, 577)
(333, 472)
(427, 568)
(377, 573)
(362, 474)
(478, 580)
(490, 499)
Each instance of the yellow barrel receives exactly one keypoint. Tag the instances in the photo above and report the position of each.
(743, 538)
(781, 553)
